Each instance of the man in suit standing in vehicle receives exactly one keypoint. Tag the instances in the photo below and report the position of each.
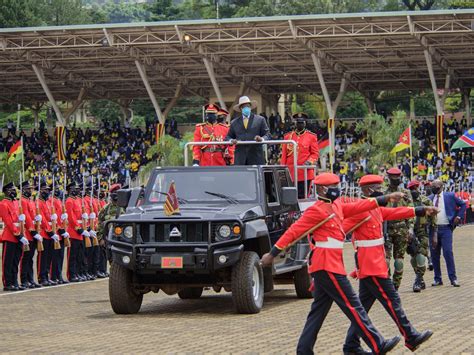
(248, 127)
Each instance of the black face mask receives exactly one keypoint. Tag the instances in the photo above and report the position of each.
(26, 193)
(415, 194)
(395, 181)
(300, 126)
(211, 118)
(376, 194)
(11, 194)
(333, 193)
(74, 193)
(44, 195)
(436, 190)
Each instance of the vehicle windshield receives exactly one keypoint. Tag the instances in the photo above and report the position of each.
(197, 186)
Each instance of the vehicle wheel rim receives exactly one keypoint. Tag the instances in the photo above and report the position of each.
(256, 284)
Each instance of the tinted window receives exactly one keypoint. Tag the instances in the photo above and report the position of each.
(270, 187)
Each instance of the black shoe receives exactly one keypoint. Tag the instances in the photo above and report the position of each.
(420, 339)
(52, 283)
(358, 351)
(417, 284)
(35, 285)
(107, 274)
(45, 283)
(21, 288)
(430, 267)
(423, 284)
(437, 283)
(26, 285)
(64, 282)
(75, 279)
(101, 275)
(389, 344)
(455, 283)
(10, 288)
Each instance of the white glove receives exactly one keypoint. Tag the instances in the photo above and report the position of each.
(24, 241)
(54, 217)
(55, 237)
(38, 218)
(38, 237)
(85, 216)
(64, 216)
(92, 215)
(93, 234)
(65, 235)
(21, 218)
(86, 234)
(195, 164)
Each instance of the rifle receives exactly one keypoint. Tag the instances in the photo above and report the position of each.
(95, 242)
(54, 224)
(40, 246)
(87, 240)
(26, 247)
(67, 242)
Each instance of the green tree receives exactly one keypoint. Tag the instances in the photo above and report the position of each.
(64, 12)
(105, 110)
(20, 13)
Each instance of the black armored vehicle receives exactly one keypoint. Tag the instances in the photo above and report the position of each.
(228, 218)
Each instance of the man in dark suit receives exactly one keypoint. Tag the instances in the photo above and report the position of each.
(451, 210)
(248, 127)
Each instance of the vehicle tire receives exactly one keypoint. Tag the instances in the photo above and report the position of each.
(123, 298)
(302, 283)
(247, 284)
(190, 293)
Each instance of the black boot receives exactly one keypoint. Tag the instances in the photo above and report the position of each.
(422, 283)
(389, 344)
(417, 284)
(420, 339)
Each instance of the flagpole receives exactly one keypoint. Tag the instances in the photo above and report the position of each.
(411, 155)
(22, 157)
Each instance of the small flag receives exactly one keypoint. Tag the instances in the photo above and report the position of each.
(323, 147)
(440, 133)
(404, 142)
(61, 142)
(466, 140)
(160, 131)
(15, 152)
(171, 206)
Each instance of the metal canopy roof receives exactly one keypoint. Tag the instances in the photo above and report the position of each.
(373, 51)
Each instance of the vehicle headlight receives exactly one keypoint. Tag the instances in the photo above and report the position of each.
(128, 232)
(223, 232)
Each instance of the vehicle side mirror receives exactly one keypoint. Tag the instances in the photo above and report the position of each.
(289, 196)
(123, 197)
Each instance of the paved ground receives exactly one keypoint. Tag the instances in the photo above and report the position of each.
(78, 318)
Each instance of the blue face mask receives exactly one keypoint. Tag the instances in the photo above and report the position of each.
(246, 111)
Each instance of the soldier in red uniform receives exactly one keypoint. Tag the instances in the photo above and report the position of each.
(230, 149)
(58, 255)
(76, 232)
(26, 269)
(308, 153)
(326, 263)
(12, 240)
(92, 253)
(372, 269)
(209, 131)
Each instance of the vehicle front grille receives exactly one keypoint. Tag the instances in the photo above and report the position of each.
(184, 232)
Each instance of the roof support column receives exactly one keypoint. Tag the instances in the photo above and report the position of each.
(59, 116)
(174, 100)
(151, 94)
(466, 93)
(76, 105)
(434, 87)
(215, 85)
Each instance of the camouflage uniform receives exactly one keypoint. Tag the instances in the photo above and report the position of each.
(396, 236)
(422, 227)
(109, 212)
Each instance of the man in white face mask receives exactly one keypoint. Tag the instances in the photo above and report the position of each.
(248, 127)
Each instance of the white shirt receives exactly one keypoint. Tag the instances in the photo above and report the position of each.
(442, 218)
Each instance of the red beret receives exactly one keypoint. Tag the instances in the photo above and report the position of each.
(370, 180)
(327, 179)
(211, 108)
(394, 171)
(115, 187)
(414, 184)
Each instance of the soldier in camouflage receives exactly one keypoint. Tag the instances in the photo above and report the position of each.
(397, 233)
(418, 248)
(110, 211)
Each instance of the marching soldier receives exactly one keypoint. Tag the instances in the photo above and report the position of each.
(308, 152)
(323, 221)
(26, 269)
(209, 131)
(110, 211)
(13, 240)
(418, 247)
(398, 232)
(230, 149)
(92, 253)
(372, 269)
(58, 254)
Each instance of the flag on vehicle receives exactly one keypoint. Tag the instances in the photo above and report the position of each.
(404, 141)
(171, 206)
(16, 152)
(466, 140)
(61, 143)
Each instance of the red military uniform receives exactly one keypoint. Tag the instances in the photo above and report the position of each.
(74, 211)
(308, 151)
(210, 155)
(9, 213)
(28, 206)
(45, 210)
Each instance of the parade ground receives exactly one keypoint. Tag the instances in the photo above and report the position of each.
(78, 318)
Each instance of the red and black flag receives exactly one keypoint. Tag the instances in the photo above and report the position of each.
(160, 131)
(61, 143)
(171, 204)
(439, 133)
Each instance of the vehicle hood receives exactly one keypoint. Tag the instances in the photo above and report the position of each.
(240, 211)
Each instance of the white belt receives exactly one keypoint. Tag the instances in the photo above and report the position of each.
(331, 244)
(369, 243)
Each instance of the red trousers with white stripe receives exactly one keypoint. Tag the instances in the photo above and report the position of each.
(382, 289)
(329, 288)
